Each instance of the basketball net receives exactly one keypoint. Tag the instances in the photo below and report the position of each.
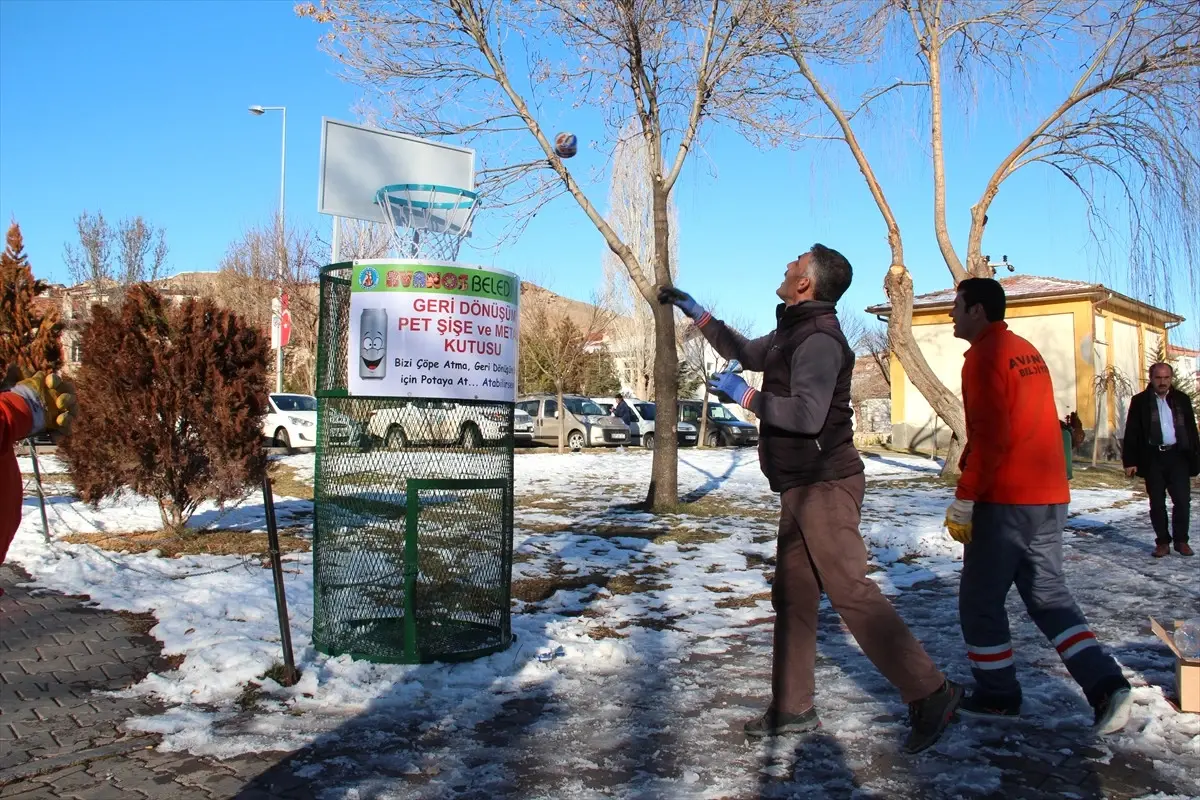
(426, 220)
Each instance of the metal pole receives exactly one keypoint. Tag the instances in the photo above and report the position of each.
(37, 478)
(335, 248)
(285, 632)
(282, 242)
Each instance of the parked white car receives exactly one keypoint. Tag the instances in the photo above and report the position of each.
(437, 422)
(291, 420)
(641, 430)
(522, 427)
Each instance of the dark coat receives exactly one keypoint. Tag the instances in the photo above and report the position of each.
(1143, 433)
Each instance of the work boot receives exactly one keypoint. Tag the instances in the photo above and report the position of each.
(1112, 702)
(773, 723)
(1183, 548)
(930, 716)
(984, 704)
(1161, 550)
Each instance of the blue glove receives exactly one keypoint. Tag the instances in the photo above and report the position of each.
(682, 300)
(732, 386)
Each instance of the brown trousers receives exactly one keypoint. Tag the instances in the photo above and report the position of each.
(820, 548)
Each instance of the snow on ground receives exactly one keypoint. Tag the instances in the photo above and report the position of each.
(652, 686)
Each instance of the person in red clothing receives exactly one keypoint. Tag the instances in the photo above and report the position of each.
(1009, 512)
(37, 403)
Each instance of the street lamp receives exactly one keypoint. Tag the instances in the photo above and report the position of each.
(258, 111)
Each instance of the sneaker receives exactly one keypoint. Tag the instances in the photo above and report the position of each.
(930, 716)
(1161, 550)
(982, 704)
(774, 724)
(1183, 548)
(1112, 709)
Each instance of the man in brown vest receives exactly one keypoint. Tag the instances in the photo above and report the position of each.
(806, 450)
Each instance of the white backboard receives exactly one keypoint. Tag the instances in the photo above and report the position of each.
(357, 161)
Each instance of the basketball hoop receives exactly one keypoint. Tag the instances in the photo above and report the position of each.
(427, 220)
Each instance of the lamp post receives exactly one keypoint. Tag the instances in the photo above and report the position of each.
(258, 111)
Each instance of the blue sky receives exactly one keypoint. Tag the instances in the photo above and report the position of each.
(140, 108)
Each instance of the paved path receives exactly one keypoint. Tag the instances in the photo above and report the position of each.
(61, 735)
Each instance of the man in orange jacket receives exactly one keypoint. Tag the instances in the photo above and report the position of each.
(37, 403)
(1010, 510)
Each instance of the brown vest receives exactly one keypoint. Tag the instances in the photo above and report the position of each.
(790, 459)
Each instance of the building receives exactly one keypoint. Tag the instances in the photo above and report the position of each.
(871, 394)
(1085, 331)
(1186, 363)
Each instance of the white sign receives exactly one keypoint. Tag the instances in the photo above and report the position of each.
(436, 329)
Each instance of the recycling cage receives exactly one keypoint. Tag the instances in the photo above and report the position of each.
(413, 531)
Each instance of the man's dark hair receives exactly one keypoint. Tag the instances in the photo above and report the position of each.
(831, 273)
(1158, 364)
(986, 292)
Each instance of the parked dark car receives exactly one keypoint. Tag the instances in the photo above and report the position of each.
(724, 429)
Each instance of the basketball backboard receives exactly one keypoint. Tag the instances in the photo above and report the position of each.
(357, 161)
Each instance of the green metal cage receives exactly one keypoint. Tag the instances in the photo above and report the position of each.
(413, 520)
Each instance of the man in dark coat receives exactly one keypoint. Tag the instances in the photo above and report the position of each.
(1162, 445)
(806, 450)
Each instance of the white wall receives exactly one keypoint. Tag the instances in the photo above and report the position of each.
(1125, 357)
(1100, 355)
(1052, 334)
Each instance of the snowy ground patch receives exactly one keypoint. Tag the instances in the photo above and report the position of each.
(670, 668)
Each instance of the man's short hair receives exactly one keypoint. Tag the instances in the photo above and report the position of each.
(831, 273)
(1158, 364)
(986, 292)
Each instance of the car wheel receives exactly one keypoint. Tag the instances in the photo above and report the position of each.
(648, 441)
(575, 440)
(283, 440)
(471, 437)
(713, 439)
(396, 439)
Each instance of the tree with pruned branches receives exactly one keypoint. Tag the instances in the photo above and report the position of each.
(475, 70)
(1128, 124)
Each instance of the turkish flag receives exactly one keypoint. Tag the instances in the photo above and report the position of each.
(285, 328)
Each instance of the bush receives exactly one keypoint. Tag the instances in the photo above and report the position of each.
(171, 403)
(29, 335)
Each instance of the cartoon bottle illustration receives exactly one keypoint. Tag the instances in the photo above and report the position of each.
(372, 330)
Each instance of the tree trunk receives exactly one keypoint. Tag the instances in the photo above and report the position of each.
(899, 289)
(562, 420)
(663, 493)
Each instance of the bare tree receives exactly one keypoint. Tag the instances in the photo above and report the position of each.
(141, 251)
(556, 350)
(476, 69)
(630, 213)
(247, 284)
(362, 239)
(867, 338)
(703, 360)
(90, 259)
(1129, 121)
(1109, 382)
(140, 254)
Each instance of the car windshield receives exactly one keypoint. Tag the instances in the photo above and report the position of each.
(582, 407)
(294, 402)
(605, 407)
(717, 411)
(646, 410)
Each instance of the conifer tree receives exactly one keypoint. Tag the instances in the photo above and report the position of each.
(29, 337)
(172, 401)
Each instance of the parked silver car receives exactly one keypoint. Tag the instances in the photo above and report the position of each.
(587, 424)
(641, 430)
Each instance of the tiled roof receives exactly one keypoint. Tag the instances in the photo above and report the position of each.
(1027, 286)
(1015, 286)
(1176, 350)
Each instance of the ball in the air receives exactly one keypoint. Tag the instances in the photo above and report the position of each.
(566, 145)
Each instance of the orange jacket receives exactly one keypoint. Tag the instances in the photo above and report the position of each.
(15, 422)
(1014, 452)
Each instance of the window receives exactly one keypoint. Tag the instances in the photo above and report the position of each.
(646, 410)
(581, 407)
(530, 407)
(689, 413)
(294, 402)
(718, 411)
(552, 409)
